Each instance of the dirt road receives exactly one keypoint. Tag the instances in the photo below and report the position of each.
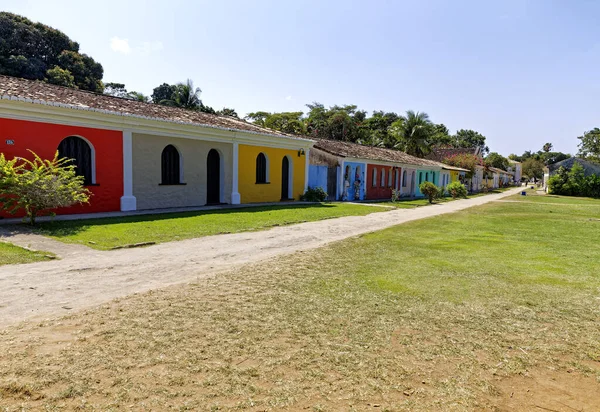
(85, 277)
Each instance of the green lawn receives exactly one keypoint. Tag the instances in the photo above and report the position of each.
(110, 232)
(410, 204)
(11, 254)
(491, 308)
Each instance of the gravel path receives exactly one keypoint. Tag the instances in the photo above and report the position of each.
(84, 277)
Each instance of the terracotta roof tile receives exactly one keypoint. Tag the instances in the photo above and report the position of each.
(12, 87)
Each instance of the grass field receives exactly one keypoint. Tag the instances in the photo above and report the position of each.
(11, 254)
(493, 308)
(110, 232)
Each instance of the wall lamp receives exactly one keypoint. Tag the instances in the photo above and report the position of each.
(301, 152)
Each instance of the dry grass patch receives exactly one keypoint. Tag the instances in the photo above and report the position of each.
(365, 324)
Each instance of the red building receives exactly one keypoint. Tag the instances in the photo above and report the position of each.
(98, 154)
(381, 179)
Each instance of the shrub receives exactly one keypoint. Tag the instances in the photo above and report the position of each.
(430, 191)
(456, 190)
(316, 194)
(39, 186)
(395, 195)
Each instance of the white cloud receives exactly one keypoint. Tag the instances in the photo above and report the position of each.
(120, 45)
(288, 98)
(148, 47)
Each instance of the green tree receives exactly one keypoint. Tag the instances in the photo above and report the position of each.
(496, 160)
(163, 93)
(469, 139)
(547, 147)
(258, 118)
(589, 145)
(228, 112)
(29, 50)
(138, 97)
(414, 133)
(60, 77)
(286, 122)
(533, 169)
(185, 96)
(38, 186)
(441, 135)
(115, 89)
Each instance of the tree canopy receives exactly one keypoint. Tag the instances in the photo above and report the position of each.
(589, 145)
(183, 95)
(496, 160)
(39, 52)
(533, 169)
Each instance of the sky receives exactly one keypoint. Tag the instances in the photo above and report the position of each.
(522, 73)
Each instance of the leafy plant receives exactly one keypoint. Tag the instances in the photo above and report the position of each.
(37, 186)
(574, 182)
(456, 190)
(395, 195)
(316, 194)
(431, 191)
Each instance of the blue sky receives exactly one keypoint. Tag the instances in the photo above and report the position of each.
(520, 72)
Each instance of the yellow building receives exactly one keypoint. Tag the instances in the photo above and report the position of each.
(269, 174)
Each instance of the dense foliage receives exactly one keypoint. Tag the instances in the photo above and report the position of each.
(496, 160)
(431, 191)
(545, 155)
(314, 194)
(533, 169)
(464, 160)
(39, 52)
(38, 186)
(183, 95)
(589, 145)
(574, 182)
(456, 190)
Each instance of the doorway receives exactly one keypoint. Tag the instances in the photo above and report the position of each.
(213, 178)
(285, 179)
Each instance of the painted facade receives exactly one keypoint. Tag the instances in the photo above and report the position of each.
(352, 186)
(193, 185)
(409, 182)
(317, 176)
(381, 180)
(426, 175)
(252, 191)
(138, 156)
(17, 137)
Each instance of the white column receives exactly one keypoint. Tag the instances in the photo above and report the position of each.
(307, 163)
(235, 195)
(128, 201)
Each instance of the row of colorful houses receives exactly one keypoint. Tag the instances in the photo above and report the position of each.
(140, 156)
(349, 171)
(135, 155)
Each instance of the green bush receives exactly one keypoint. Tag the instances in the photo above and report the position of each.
(456, 190)
(316, 194)
(431, 191)
(574, 182)
(37, 186)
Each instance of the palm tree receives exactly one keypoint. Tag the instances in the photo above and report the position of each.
(413, 133)
(138, 97)
(185, 96)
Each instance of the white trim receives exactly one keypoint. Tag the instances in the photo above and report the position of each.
(385, 163)
(306, 168)
(128, 200)
(235, 195)
(123, 116)
(56, 114)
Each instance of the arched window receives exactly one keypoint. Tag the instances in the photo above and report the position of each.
(170, 166)
(404, 179)
(261, 168)
(382, 177)
(374, 184)
(82, 156)
(390, 177)
(427, 176)
(420, 178)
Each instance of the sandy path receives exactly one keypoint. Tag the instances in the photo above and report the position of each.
(85, 277)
